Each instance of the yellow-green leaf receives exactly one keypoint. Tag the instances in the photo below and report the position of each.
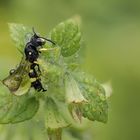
(19, 34)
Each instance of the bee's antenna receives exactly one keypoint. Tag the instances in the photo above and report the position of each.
(34, 30)
(49, 40)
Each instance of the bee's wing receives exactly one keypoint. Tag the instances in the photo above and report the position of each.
(19, 82)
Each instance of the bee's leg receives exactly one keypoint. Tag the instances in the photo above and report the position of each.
(38, 68)
(44, 89)
(34, 65)
(46, 49)
(38, 86)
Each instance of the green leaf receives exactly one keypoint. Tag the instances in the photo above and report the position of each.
(20, 35)
(14, 109)
(54, 121)
(32, 106)
(68, 36)
(97, 107)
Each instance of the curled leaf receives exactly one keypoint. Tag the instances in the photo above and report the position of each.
(75, 111)
(108, 88)
(73, 93)
(74, 97)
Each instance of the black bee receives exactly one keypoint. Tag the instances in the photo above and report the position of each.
(28, 72)
(32, 47)
(32, 50)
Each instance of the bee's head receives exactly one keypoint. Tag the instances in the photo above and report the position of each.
(37, 40)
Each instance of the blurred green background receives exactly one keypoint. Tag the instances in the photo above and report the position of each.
(111, 31)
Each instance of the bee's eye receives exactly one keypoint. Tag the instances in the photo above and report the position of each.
(40, 40)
